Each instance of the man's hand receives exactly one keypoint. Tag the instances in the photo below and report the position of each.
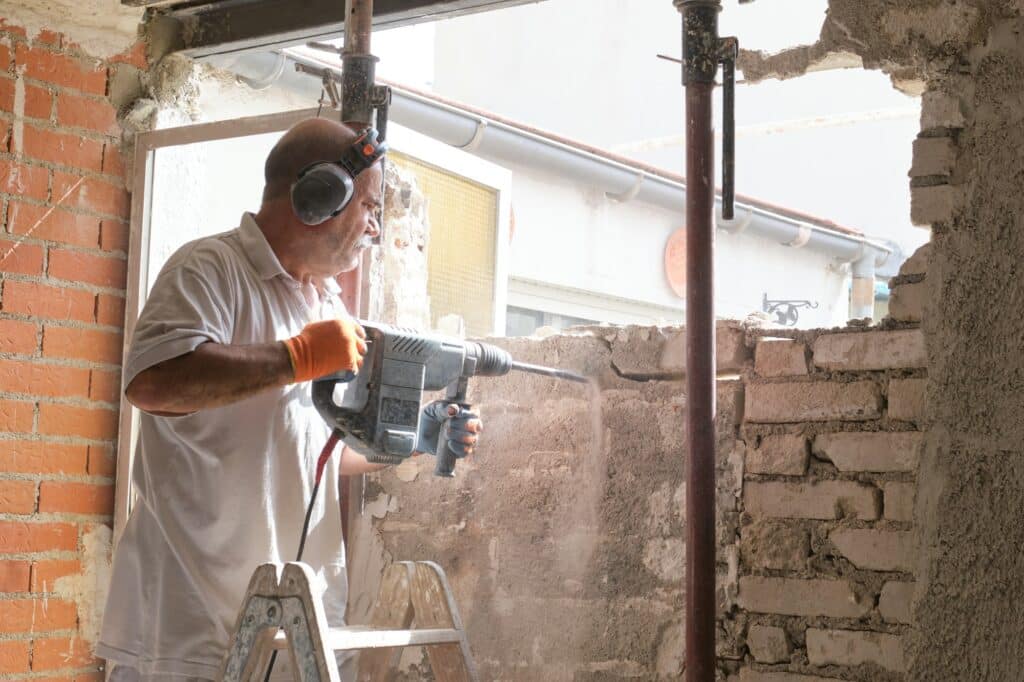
(462, 429)
(325, 348)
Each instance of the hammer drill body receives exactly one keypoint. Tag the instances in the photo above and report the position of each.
(380, 407)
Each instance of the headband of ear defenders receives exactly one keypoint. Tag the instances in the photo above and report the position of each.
(323, 189)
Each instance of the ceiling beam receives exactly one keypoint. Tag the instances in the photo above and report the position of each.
(211, 27)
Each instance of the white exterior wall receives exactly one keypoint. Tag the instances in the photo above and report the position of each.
(572, 236)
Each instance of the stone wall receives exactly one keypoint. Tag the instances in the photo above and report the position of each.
(563, 535)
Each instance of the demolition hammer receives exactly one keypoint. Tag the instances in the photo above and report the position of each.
(380, 406)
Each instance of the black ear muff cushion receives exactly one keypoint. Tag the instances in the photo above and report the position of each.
(322, 191)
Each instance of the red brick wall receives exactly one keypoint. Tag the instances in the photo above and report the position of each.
(62, 278)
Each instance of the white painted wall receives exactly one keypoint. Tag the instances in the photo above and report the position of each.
(588, 69)
(571, 236)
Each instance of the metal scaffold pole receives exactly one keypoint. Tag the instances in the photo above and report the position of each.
(702, 53)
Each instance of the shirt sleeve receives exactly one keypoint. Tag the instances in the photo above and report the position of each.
(191, 302)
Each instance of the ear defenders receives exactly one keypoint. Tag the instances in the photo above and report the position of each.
(323, 189)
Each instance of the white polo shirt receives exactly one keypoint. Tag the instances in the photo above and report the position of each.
(223, 490)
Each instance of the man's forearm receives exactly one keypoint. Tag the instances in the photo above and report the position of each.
(213, 375)
(353, 464)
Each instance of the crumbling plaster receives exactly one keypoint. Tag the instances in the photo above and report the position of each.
(102, 28)
(969, 57)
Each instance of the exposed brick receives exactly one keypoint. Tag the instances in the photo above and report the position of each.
(47, 572)
(72, 72)
(832, 598)
(91, 194)
(770, 544)
(98, 676)
(101, 270)
(83, 344)
(110, 310)
(22, 536)
(57, 653)
(940, 110)
(87, 422)
(102, 460)
(105, 386)
(18, 337)
(933, 204)
(6, 93)
(16, 416)
(768, 644)
(35, 378)
(114, 235)
(20, 258)
(876, 550)
(12, 29)
(748, 675)
(661, 351)
(48, 37)
(823, 500)
(784, 454)
(134, 56)
(14, 576)
(906, 304)
(5, 135)
(780, 357)
(781, 403)
(850, 647)
(898, 501)
(933, 156)
(76, 498)
(41, 300)
(17, 497)
(907, 399)
(75, 111)
(53, 224)
(917, 264)
(14, 656)
(23, 180)
(895, 602)
(113, 161)
(30, 615)
(870, 451)
(38, 102)
(39, 457)
(61, 148)
(858, 351)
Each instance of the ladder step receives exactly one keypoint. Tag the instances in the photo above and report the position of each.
(357, 637)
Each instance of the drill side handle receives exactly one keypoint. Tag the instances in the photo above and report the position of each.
(444, 463)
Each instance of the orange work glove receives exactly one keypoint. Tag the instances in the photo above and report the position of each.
(326, 347)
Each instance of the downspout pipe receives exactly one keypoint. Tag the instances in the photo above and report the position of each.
(862, 298)
(506, 144)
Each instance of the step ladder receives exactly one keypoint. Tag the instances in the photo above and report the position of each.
(280, 611)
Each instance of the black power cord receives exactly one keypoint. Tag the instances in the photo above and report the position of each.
(321, 462)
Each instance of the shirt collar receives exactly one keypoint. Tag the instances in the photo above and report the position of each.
(258, 250)
(263, 258)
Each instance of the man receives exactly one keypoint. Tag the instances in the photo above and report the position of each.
(235, 327)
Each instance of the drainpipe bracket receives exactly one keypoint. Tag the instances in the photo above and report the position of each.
(630, 193)
(478, 136)
(803, 236)
(735, 225)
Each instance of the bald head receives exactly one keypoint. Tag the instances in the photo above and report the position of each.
(312, 140)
